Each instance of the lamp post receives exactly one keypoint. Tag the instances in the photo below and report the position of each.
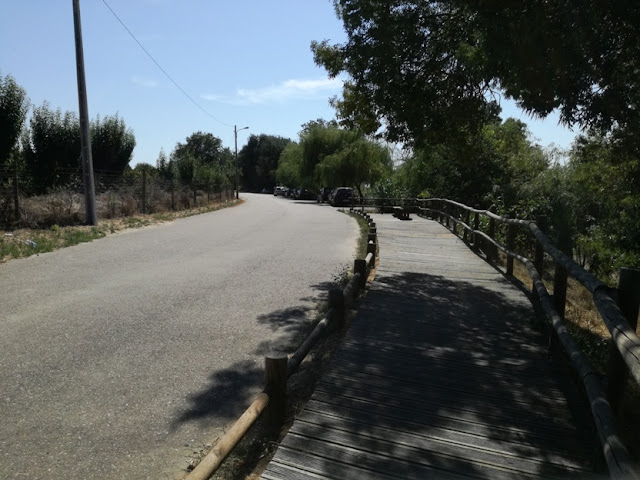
(235, 134)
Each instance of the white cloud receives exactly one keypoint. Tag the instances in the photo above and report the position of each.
(287, 90)
(144, 82)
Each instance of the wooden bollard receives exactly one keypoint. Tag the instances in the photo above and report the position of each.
(629, 302)
(371, 248)
(360, 266)
(372, 237)
(336, 302)
(373, 230)
(372, 224)
(275, 376)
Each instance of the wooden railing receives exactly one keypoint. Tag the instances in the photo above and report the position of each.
(618, 308)
(271, 402)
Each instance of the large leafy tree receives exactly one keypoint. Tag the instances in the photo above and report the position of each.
(53, 152)
(202, 158)
(13, 111)
(328, 155)
(426, 69)
(112, 145)
(258, 161)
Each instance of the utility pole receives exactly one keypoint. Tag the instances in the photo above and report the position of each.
(235, 135)
(85, 139)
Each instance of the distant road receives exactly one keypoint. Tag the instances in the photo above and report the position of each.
(122, 357)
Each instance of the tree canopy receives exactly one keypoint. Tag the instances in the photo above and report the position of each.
(13, 111)
(328, 155)
(258, 161)
(201, 157)
(426, 69)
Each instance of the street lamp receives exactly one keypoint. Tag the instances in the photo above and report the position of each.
(235, 134)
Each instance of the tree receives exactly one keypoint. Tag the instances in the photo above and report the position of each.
(202, 157)
(112, 145)
(258, 161)
(289, 165)
(425, 70)
(359, 162)
(13, 111)
(53, 152)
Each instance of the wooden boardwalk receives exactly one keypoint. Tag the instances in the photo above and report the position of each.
(440, 376)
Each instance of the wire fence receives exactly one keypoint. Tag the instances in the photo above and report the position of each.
(117, 196)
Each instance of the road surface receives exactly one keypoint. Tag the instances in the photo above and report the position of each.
(122, 357)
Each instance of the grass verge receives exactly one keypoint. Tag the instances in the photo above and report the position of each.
(23, 243)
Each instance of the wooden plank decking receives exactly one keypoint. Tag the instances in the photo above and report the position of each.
(440, 376)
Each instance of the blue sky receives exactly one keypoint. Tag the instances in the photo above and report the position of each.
(247, 63)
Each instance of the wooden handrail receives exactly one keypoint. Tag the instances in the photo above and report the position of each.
(623, 335)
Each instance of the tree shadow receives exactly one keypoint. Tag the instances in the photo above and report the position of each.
(439, 377)
(230, 390)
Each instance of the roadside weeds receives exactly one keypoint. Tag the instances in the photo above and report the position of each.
(22, 243)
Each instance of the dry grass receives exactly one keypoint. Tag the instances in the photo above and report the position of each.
(592, 335)
(24, 242)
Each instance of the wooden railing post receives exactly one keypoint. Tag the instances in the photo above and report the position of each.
(336, 302)
(511, 243)
(476, 226)
(629, 302)
(560, 275)
(467, 217)
(491, 251)
(275, 375)
(360, 266)
(538, 261)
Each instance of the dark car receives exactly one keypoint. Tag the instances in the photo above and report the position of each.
(342, 197)
(304, 194)
(323, 195)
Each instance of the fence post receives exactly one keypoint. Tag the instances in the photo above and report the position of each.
(144, 190)
(467, 218)
(560, 275)
(476, 226)
(360, 266)
(16, 195)
(491, 250)
(511, 241)
(538, 261)
(336, 302)
(629, 302)
(275, 376)
(371, 248)
(372, 237)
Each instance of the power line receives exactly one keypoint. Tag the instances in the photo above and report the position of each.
(162, 69)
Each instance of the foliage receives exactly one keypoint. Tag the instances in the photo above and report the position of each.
(112, 144)
(202, 157)
(258, 161)
(425, 70)
(331, 155)
(289, 165)
(13, 111)
(52, 149)
(53, 152)
(606, 183)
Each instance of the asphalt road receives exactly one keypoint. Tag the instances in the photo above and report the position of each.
(122, 357)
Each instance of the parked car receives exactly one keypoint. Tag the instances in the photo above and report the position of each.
(323, 195)
(267, 190)
(279, 191)
(304, 194)
(342, 197)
